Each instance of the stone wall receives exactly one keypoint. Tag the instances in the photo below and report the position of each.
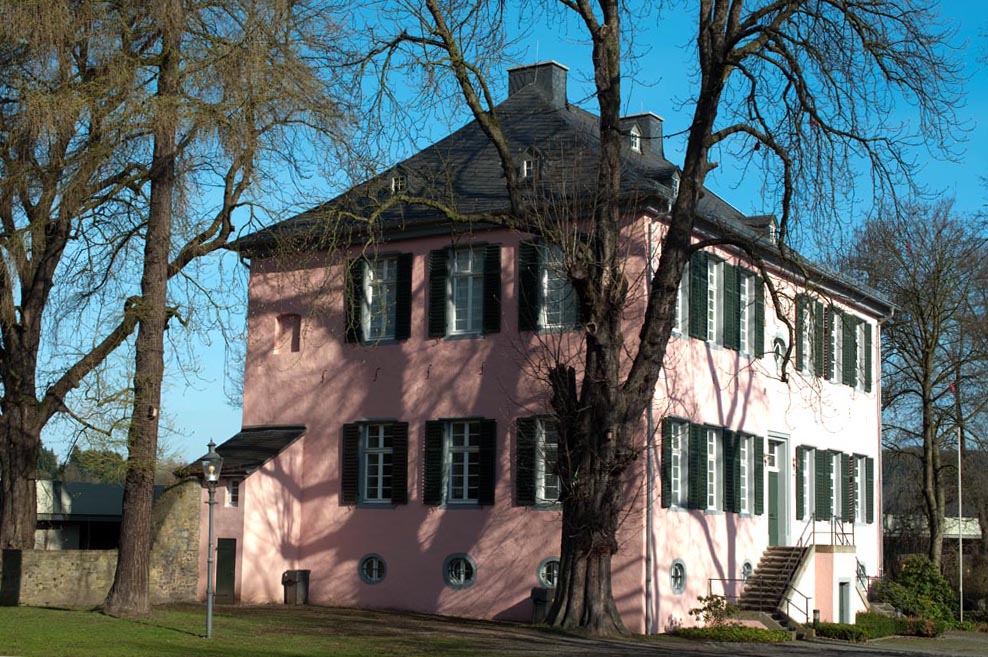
(82, 578)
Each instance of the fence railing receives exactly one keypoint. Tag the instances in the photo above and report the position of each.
(839, 532)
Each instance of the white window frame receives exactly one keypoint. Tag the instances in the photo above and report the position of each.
(457, 486)
(380, 287)
(837, 328)
(546, 456)
(378, 456)
(558, 303)
(745, 488)
(677, 577)
(372, 569)
(836, 501)
(529, 167)
(809, 482)
(466, 277)
(681, 324)
(807, 337)
(715, 469)
(679, 465)
(861, 355)
(548, 572)
(398, 184)
(232, 493)
(746, 297)
(635, 139)
(714, 301)
(860, 489)
(459, 571)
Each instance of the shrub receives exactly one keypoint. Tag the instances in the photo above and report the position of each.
(733, 633)
(923, 627)
(840, 631)
(876, 626)
(921, 591)
(714, 610)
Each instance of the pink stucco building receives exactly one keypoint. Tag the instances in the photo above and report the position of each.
(396, 440)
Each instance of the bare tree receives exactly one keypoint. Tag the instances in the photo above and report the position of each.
(237, 84)
(798, 90)
(930, 263)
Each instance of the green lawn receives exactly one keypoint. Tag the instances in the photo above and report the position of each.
(255, 631)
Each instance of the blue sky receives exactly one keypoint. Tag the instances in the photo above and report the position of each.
(200, 411)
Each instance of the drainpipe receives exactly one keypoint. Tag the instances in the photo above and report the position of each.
(649, 474)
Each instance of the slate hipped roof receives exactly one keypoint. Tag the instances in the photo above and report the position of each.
(464, 169)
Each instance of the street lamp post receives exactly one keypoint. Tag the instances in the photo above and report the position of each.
(211, 466)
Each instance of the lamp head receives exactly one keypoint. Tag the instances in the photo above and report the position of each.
(212, 464)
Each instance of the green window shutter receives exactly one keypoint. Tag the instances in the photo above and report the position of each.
(697, 467)
(488, 462)
(870, 489)
(731, 444)
(403, 297)
(698, 295)
(492, 289)
(732, 307)
(528, 286)
(432, 469)
(867, 357)
(399, 463)
(668, 425)
(846, 487)
(354, 329)
(800, 487)
(759, 310)
(850, 363)
(438, 273)
(350, 464)
(525, 455)
(818, 342)
(824, 485)
(801, 305)
(759, 479)
(830, 336)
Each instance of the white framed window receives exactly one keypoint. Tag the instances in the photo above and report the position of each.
(377, 313)
(635, 139)
(679, 466)
(746, 312)
(860, 489)
(861, 365)
(546, 458)
(548, 572)
(835, 484)
(465, 292)
(808, 475)
(677, 577)
(372, 569)
(745, 456)
(398, 184)
(715, 460)
(529, 167)
(462, 462)
(558, 303)
(837, 326)
(377, 462)
(681, 324)
(459, 571)
(233, 492)
(807, 337)
(713, 300)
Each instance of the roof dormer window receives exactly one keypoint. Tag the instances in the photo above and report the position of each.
(636, 140)
(528, 167)
(398, 184)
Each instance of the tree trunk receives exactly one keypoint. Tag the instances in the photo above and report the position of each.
(19, 463)
(933, 496)
(129, 594)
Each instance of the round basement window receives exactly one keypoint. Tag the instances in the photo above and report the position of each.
(677, 576)
(372, 569)
(746, 571)
(459, 571)
(548, 572)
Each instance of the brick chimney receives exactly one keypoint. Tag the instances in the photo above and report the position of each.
(548, 77)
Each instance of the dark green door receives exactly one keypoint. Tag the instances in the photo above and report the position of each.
(773, 508)
(226, 569)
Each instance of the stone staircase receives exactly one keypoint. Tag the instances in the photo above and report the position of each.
(768, 584)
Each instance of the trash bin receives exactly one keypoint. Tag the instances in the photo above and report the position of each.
(541, 599)
(296, 583)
